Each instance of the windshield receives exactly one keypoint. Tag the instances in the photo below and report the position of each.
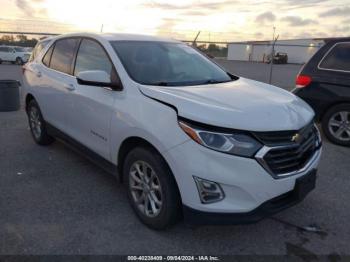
(167, 64)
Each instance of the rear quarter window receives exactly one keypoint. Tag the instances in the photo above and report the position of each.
(63, 55)
(47, 56)
(337, 58)
(38, 48)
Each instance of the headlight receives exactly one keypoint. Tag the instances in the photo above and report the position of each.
(234, 143)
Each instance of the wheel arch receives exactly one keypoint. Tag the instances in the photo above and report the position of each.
(126, 146)
(29, 97)
(129, 144)
(331, 105)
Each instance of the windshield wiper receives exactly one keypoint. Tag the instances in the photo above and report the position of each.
(160, 83)
(213, 81)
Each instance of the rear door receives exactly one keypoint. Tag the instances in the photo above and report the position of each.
(2, 53)
(56, 82)
(11, 54)
(333, 71)
(92, 106)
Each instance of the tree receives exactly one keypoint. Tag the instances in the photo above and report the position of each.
(22, 38)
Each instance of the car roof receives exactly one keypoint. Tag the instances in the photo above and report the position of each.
(338, 39)
(119, 37)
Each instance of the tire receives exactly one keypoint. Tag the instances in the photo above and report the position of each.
(19, 61)
(336, 124)
(0, 61)
(166, 192)
(37, 124)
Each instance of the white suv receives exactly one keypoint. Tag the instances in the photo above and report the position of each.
(17, 55)
(185, 136)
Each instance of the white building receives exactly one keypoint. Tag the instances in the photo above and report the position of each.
(299, 51)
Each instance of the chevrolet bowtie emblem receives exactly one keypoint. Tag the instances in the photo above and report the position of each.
(296, 138)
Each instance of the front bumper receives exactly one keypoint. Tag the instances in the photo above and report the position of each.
(246, 184)
(271, 207)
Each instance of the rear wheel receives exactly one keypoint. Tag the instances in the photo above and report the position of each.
(151, 188)
(336, 124)
(37, 124)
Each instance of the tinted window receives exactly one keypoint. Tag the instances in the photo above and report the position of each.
(338, 58)
(47, 57)
(19, 49)
(162, 63)
(63, 55)
(91, 56)
(40, 46)
(4, 49)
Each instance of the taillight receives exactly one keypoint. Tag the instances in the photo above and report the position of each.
(303, 81)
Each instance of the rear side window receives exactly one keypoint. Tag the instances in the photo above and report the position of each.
(4, 49)
(91, 56)
(47, 57)
(338, 58)
(40, 46)
(63, 55)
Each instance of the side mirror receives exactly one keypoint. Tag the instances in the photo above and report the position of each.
(96, 78)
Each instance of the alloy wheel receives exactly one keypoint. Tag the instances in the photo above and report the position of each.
(339, 126)
(35, 122)
(145, 189)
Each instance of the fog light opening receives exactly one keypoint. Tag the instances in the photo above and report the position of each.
(209, 192)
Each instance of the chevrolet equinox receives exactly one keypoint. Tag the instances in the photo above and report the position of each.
(188, 139)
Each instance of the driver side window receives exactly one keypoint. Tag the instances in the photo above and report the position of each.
(91, 56)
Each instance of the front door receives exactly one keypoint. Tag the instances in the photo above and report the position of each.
(92, 106)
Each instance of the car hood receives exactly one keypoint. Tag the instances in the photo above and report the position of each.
(242, 104)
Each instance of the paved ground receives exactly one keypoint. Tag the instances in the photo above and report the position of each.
(52, 201)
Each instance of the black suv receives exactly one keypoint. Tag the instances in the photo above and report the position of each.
(324, 83)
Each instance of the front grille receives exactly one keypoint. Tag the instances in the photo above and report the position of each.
(289, 151)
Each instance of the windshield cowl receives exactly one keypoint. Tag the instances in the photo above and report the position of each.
(193, 83)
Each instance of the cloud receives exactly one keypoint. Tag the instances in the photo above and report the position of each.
(192, 6)
(259, 35)
(26, 6)
(194, 13)
(298, 21)
(304, 3)
(345, 11)
(265, 17)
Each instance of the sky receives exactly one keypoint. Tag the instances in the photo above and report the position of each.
(218, 20)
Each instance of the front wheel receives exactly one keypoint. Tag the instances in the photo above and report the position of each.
(151, 188)
(37, 124)
(336, 124)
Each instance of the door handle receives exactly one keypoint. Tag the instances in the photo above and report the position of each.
(69, 87)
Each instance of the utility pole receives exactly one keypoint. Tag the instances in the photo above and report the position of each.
(272, 53)
(195, 39)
